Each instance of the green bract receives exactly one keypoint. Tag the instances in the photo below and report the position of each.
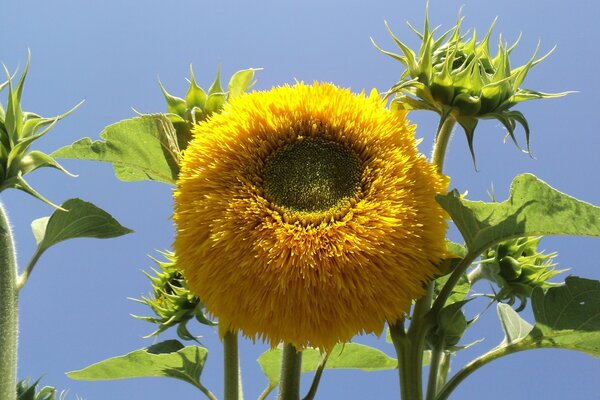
(200, 104)
(171, 300)
(18, 130)
(518, 268)
(458, 78)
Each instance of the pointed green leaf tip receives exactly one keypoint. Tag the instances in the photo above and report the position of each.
(165, 359)
(18, 130)
(533, 208)
(458, 78)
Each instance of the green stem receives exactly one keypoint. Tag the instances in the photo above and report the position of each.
(317, 378)
(442, 139)
(22, 279)
(410, 347)
(232, 386)
(402, 345)
(438, 369)
(289, 380)
(475, 275)
(471, 367)
(8, 311)
(266, 392)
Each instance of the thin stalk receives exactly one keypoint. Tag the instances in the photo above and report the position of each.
(474, 365)
(266, 392)
(475, 275)
(442, 139)
(8, 311)
(317, 378)
(438, 369)
(22, 279)
(232, 386)
(289, 380)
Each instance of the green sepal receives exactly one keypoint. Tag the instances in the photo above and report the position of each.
(28, 391)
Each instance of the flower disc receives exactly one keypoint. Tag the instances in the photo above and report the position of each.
(306, 215)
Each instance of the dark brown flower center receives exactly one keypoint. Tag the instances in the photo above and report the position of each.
(311, 175)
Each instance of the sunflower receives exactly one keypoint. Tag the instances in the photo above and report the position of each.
(306, 215)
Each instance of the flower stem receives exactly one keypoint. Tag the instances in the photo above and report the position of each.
(474, 365)
(8, 311)
(442, 139)
(232, 386)
(410, 346)
(438, 369)
(317, 378)
(289, 380)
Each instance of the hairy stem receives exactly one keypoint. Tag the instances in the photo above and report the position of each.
(232, 386)
(410, 347)
(8, 311)
(289, 380)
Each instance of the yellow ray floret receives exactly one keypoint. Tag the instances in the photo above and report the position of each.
(306, 215)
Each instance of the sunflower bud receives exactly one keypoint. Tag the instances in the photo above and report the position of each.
(517, 267)
(171, 301)
(18, 130)
(458, 78)
(28, 391)
(199, 104)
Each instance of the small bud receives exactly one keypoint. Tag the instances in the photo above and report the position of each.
(199, 104)
(171, 301)
(517, 267)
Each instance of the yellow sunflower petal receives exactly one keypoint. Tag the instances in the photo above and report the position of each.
(306, 215)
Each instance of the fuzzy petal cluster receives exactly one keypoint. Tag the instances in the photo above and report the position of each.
(312, 278)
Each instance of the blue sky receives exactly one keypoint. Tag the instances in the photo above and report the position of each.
(74, 310)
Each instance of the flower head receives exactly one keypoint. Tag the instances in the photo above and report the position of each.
(306, 215)
(458, 77)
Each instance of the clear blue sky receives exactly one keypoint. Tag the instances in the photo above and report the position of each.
(75, 311)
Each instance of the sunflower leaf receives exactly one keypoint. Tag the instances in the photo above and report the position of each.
(533, 208)
(347, 356)
(142, 148)
(165, 359)
(81, 219)
(566, 317)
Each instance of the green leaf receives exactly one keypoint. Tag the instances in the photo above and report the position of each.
(142, 148)
(82, 219)
(515, 328)
(460, 290)
(347, 356)
(166, 359)
(533, 208)
(568, 316)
